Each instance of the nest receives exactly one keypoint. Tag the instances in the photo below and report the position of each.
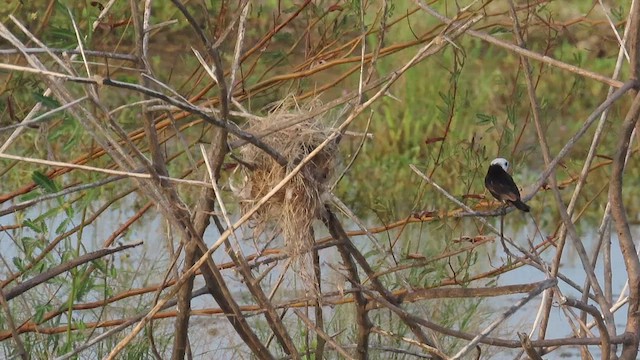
(294, 207)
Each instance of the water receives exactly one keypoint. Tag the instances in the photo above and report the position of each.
(572, 268)
(211, 335)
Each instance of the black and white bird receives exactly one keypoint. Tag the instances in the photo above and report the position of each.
(501, 185)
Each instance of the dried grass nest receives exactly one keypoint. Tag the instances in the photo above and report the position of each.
(294, 207)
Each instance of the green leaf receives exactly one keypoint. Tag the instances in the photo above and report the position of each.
(100, 265)
(29, 243)
(68, 209)
(445, 97)
(499, 30)
(83, 289)
(63, 226)
(271, 57)
(61, 37)
(40, 267)
(41, 310)
(47, 101)
(482, 119)
(18, 263)
(284, 38)
(290, 9)
(512, 114)
(50, 213)
(44, 182)
(29, 196)
(36, 226)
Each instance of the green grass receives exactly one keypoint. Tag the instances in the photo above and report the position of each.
(477, 90)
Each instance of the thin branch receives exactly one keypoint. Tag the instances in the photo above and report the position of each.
(12, 327)
(252, 284)
(524, 52)
(504, 316)
(43, 117)
(602, 327)
(59, 269)
(323, 334)
(625, 239)
(46, 50)
(101, 170)
(566, 218)
(70, 190)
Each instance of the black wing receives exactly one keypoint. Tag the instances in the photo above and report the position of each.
(501, 185)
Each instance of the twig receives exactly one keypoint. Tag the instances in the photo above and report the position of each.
(43, 50)
(235, 65)
(12, 327)
(323, 334)
(43, 117)
(355, 154)
(79, 41)
(70, 190)
(546, 306)
(252, 284)
(528, 348)
(319, 316)
(226, 234)
(621, 42)
(619, 216)
(42, 45)
(602, 327)
(121, 326)
(524, 52)
(152, 93)
(573, 234)
(352, 216)
(362, 315)
(505, 315)
(101, 170)
(495, 341)
(348, 251)
(469, 211)
(413, 342)
(59, 269)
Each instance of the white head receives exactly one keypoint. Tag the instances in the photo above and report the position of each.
(504, 164)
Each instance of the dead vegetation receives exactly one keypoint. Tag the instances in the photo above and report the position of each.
(294, 207)
(281, 165)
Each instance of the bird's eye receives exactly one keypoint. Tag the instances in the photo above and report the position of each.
(506, 164)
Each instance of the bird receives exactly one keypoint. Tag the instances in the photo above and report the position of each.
(501, 185)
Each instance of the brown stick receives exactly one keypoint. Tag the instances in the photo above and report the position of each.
(570, 227)
(59, 269)
(362, 317)
(602, 327)
(524, 52)
(12, 327)
(528, 347)
(632, 264)
(323, 334)
(319, 317)
(347, 250)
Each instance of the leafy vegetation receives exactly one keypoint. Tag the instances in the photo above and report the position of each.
(312, 62)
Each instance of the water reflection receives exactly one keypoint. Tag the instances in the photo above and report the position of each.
(147, 266)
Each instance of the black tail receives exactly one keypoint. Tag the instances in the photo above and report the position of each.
(520, 205)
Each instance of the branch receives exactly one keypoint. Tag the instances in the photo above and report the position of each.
(602, 327)
(323, 334)
(59, 269)
(524, 52)
(625, 238)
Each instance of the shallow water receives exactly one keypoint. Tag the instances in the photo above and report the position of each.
(212, 335)
(572, 268)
